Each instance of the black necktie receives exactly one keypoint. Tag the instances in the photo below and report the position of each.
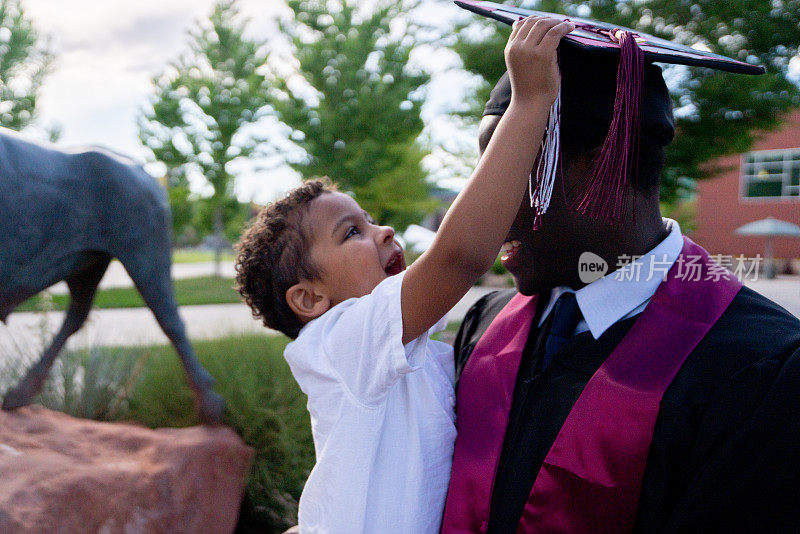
(565, 317)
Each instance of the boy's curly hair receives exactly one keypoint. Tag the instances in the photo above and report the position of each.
(274, 254)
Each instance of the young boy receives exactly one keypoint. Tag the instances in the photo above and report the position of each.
(380, 393)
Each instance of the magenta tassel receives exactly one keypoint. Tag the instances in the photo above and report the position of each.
(605, 194)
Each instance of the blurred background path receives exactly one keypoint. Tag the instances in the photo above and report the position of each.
(137, 326)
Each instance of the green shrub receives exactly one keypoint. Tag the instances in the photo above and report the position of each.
(497, 266)
(93, 384)
(264, 406)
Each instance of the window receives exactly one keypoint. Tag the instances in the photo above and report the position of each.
(771, 174)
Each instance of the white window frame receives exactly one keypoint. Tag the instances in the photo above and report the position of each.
(749, 172)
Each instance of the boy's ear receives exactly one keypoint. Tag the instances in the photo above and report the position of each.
(306, 301)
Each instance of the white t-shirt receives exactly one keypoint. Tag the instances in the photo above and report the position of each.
(382, 417)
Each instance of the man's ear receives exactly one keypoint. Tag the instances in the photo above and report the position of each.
(307, 301)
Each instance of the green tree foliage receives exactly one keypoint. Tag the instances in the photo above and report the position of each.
(200, 116)
(361, 126)
(718, 113)
(24, 61)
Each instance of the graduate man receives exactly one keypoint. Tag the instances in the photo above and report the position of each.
(662, 397)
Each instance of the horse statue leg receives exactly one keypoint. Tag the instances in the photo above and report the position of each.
(82, 286)
(153, 280)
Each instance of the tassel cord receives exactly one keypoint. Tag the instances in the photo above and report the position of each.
(606, 193)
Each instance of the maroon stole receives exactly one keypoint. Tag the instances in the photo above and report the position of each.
(591, 478)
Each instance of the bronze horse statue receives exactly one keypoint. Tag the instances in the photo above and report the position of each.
(63, 216)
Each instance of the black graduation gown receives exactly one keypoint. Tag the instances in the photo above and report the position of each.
(725, 454)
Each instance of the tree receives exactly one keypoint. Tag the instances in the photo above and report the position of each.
(717, 113)
(199, 117)
(24, 62)
(362, 124)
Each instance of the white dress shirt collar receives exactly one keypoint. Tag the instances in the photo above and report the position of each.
(624, 292)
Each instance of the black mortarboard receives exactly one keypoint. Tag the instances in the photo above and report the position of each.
(594, 36)
(588, 90)
(611, 95)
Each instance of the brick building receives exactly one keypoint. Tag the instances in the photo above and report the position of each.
(764, 182)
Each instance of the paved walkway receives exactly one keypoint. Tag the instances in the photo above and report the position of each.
(137, 326)
(785, 290)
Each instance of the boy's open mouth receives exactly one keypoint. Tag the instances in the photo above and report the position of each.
(396, 264)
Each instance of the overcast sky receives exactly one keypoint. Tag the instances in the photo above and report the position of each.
(106, 53)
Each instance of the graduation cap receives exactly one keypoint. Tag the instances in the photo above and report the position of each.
(611, 95)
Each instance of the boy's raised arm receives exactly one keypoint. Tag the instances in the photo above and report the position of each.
(476, 224)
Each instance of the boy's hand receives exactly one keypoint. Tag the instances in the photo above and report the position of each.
(531, 58)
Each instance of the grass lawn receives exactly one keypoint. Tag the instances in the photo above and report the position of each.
(188, 255)
(188, 291)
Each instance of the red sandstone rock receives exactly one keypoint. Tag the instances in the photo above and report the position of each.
(59, 474)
